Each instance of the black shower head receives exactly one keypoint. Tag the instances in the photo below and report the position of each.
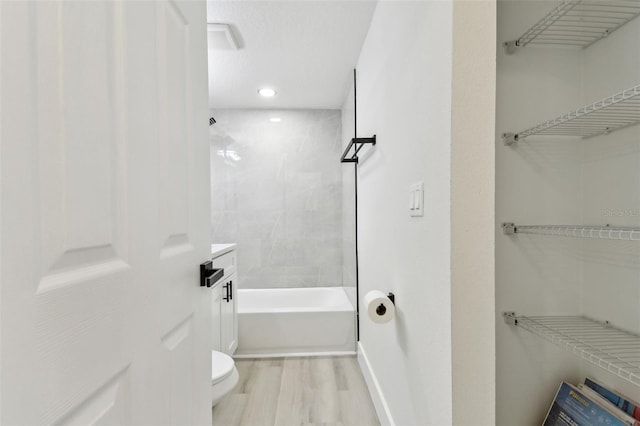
(212, 121)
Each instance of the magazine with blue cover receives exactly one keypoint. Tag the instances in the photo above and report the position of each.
(572, 408)
(623, 403)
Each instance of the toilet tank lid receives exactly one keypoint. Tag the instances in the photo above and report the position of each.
(221, 366)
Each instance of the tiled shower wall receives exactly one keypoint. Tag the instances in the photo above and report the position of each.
(277, 193)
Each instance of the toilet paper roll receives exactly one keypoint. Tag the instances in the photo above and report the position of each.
(380, 308)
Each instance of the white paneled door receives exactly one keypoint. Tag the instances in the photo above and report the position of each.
(105, 213)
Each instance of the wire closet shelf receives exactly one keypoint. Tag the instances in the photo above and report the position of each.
(578, 23)
(599, 232)
(613, 349)
(612, 113)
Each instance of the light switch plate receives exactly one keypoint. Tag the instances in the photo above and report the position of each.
(416, 199)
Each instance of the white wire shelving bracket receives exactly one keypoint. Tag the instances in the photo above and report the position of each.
(598, 232)
(602, 117)
(577, 23)
(608, 347)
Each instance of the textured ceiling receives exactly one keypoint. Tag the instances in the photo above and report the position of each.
(306, 50)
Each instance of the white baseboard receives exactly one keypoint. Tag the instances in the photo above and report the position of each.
(379, 402)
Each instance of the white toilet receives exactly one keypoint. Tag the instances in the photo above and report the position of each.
(224, 375)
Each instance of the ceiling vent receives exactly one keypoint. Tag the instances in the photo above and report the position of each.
(221, 37)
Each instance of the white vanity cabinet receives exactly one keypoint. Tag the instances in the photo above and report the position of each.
(228, 315)
(216, 316)
(224, 300)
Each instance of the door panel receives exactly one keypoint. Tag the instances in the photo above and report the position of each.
(79, 136)
(108, 405)
(104, 213)
(175, 140)
(179, 344)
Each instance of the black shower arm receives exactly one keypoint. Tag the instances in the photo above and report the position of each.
(355, 142)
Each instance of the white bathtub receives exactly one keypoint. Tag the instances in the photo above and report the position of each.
(295, 322)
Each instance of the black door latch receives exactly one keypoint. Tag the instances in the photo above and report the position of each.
(208, 275)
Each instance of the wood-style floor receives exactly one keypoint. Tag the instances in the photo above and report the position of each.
(297, 391)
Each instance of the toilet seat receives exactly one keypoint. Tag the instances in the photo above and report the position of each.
(222, 366)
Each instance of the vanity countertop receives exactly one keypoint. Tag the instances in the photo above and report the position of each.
(220, 249)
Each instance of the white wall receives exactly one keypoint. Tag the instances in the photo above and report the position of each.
(537, 182)
(426, 88)
(551, 180)
(473, 212)
(404, 97)
(610, 176)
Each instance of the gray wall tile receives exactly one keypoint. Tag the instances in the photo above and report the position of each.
(277, 193)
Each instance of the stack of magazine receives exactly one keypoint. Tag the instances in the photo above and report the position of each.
(590, 403)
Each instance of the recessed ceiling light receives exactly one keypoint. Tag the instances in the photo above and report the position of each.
(267, 92)
(275, 119)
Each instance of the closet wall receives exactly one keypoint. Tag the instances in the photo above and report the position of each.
(560, 180)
